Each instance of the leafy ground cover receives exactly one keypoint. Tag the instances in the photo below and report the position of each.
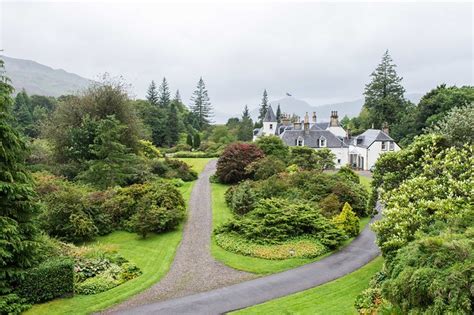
(335, 297)
(153, 255)
(221, 214)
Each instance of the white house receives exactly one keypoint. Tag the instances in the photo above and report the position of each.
(360, 152)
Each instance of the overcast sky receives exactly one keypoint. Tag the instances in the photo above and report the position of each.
(319, 52)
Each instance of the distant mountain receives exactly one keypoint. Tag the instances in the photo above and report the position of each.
(39, 79)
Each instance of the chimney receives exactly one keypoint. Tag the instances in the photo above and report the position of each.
(314, 117)
(285, 119)
(297, 123)
(385, 128)
(306, 123)
(348, 133)
(334, 122)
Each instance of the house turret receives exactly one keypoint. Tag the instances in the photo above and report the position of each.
(269, 122)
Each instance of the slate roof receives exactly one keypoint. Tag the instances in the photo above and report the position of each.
(269, 115)
(370, 136)
(311, 138)
(320, 126)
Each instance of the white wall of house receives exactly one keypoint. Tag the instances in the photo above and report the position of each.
(342, 156)
(373, 152)
(269, 128)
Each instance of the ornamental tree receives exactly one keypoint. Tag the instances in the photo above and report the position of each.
(234, 160)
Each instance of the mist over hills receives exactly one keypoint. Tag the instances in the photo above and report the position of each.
(39, 79)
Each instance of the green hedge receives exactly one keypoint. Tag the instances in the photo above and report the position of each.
(51, 279)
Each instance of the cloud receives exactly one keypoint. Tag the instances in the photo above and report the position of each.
(318, 51)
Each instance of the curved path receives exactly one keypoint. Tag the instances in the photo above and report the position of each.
(193, 269)
(244, 294)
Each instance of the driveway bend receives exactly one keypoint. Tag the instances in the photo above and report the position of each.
(247, 293)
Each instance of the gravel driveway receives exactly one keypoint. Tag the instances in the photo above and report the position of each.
(193, 270)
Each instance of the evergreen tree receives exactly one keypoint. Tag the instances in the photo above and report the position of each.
(23, 113)
(263, 106)
(172, 126)
(189, 140)
(278, 113)
(196, 141)
(152, 94)
(245, 130)
(384, 94)
(201, 108)
(164, 97)
(177, 97)
(17, 206)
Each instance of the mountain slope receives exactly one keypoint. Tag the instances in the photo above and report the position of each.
(39, 79)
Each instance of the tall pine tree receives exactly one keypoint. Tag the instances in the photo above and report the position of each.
(278, 113)
(384, 98)
(263, 106)
(23, 113)
(164, 97)
(177, 97)
(245, 129)
(201, 107)
(17, 205)
(152, 94)
(172, 126)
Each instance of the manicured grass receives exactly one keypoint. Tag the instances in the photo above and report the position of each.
(152, 255)
(335, 297)
(366, 182)
(221, 213)
(196, 164)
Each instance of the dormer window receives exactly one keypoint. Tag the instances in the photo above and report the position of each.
(384, 146)
(271, 126)
(322, 142)
(300, 142)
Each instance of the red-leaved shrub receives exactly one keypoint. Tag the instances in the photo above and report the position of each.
(233, 161)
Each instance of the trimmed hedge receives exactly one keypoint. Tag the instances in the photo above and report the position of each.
(51, 279)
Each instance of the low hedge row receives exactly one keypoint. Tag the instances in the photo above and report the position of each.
(51, 279)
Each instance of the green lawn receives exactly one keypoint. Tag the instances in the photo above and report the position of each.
(366, 182)
(221, 213)
(335, 297)
(153, 255)
(196, 164)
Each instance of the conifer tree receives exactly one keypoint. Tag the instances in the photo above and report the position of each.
(17, 205)
(201, 107)
(177, 97)
(172, 126)
(245, 130)
(197, 141)
(384, 94)
(278, 113)
(263, 106)
(164, 97)
(23, 113)
(189, 140)
(152, 94)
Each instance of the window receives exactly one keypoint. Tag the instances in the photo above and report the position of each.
(322, 142)
(271, 126)
(392, 146)
(338, 161)
(384, 146)
(300, 142)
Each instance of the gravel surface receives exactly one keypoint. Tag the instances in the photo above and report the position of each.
(193, 270)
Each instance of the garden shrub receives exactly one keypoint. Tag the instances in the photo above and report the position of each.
(243, 199)
(347, 221)
(96, 285)
(128, 201)
(51, 279)
(310, 159)
(330, 206)
(277, 220)
(233, 161)
(273, 145)
(265, 168)
(172, 168)
(12, 304)
(148, 150)
(348, 174)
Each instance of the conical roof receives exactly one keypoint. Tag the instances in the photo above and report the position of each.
(270, 115)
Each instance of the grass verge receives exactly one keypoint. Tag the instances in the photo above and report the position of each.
(221, 213)
(152, 255)
(196, 164)
(335, 297)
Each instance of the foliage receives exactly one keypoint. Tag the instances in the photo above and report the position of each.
(126, 202)
(347, 221)
(384, 98)
(152, 94)
(96, 285)
(265, 167)
(263, 107)
(148, 218)
(294, 248)
(173, 168)
(276, 220)
(245, 126)
(243, 198)
(310, 159)
(13, 304)
(18, 232)
(201, 108)
(347, 173)
(51, 279)
(456, 126)
(148, 150)
(233, 161)
(273, 145)
(330, 205)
